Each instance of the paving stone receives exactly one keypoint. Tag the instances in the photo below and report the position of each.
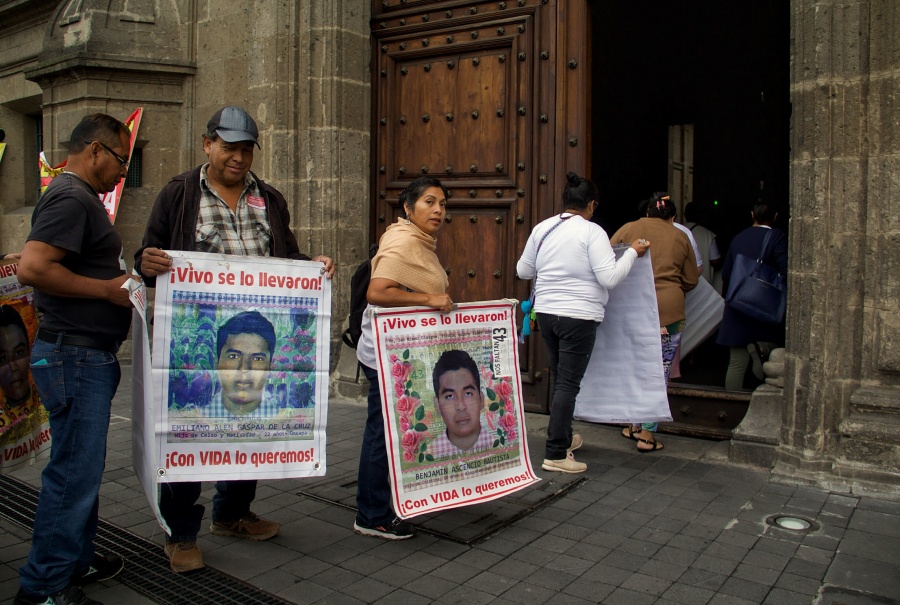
(689, 543)
(661, 569)
(691, 595)
(737, 538)
(875, 522)
(490, 582)
(368, 590)
(756, 574)
(455, 571)
(513, 568)
(779, 596)
(865, 574)
(807, 569)
(726, 551)
(652, 534)
(403, 596)
(775, 546)
(608, 574)
(524, 592)
(676, 556)
(746, 589)
(889, 507)
(588, 588)
(646, 584)
(702, 578)
(554, 579)
(625, 560)
(465, 595)
(795, 583)
(766, 560)
(588, 552)
(723, 599)
(623, 596)
(715, 564)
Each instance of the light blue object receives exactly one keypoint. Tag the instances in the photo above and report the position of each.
(528, 317)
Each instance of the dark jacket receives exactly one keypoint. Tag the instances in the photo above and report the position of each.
(737, 329)
(173, 220)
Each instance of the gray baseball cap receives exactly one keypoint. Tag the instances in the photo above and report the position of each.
(233, 125)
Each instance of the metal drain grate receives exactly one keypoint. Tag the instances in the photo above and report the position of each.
(147, 569)
(468, 524)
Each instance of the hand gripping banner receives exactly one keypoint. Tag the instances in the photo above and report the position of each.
(452, 405)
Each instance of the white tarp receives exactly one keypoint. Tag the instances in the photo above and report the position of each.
(624, 381)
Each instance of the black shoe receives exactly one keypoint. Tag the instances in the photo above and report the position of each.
(102, 568)
(395, 530)
(70, 596)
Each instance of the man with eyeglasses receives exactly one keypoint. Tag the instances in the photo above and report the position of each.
(218, 207)
(73, 259)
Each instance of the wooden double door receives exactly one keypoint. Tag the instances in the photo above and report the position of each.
(493, 99)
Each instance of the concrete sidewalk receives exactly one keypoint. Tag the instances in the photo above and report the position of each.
(676, 526)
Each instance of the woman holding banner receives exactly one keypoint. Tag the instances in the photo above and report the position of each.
(674, 273)
(573, 267)
(405, 273)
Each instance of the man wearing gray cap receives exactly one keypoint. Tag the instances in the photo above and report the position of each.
(219, 207)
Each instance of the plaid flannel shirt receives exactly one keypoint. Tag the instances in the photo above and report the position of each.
(246, 231)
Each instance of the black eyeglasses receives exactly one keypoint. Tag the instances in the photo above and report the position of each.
(122, 161)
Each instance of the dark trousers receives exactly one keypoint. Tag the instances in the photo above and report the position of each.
(373, 486)
(178, 505)
(569, 343)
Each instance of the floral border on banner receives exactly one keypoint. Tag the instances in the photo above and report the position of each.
(409, 343)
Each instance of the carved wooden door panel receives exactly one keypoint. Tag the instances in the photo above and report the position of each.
(492, 99)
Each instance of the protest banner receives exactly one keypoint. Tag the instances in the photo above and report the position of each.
(110, 200)
(24, 423)
(703, 310)
(452, 405)
(238, 386)
(624, 380)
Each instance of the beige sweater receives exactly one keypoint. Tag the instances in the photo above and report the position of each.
(406, 255)
(672, 258)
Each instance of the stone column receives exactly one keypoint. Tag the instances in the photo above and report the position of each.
(843, 326)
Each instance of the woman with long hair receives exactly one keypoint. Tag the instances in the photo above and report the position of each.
(405, 272)
(573, 267)
(674, 273)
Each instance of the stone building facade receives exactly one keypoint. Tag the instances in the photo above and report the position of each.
(303, 70)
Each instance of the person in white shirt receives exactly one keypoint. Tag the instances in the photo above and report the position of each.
(573, 265)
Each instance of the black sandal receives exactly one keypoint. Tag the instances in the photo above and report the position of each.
(632, 434)
(656, 445)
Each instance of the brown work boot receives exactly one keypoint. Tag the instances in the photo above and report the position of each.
(184, 556)
(249, 527)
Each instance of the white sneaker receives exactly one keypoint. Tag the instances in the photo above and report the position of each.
(566, 465)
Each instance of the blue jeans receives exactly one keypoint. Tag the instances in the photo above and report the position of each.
(76, 385)
(178, 505)
(373, 486)
(570, 343)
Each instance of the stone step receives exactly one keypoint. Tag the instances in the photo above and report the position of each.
(879, 401)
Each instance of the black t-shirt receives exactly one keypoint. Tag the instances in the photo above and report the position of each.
(71, 216)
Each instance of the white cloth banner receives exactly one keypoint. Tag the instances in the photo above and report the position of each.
(452, 405)
(703, 309)
(144, 455)
(624, 381)
(238, 387)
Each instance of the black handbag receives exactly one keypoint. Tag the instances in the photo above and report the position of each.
(756, 289)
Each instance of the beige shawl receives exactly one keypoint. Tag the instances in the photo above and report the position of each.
(406, 255)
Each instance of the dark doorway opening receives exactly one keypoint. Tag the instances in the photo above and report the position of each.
(720, 66)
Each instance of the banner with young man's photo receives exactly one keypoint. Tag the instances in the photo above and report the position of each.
(452, 405)
(239, 382)
(24, 423)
